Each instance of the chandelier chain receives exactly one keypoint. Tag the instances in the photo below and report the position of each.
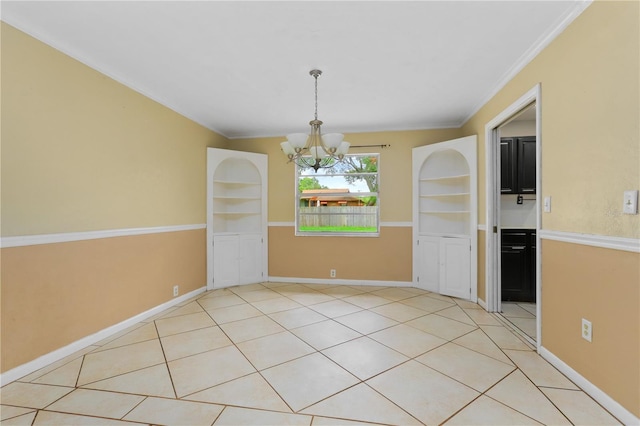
(316, 106)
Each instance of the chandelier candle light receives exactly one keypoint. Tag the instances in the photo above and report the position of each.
(315, 150)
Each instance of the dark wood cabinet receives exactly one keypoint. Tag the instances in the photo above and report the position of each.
(508, 165)
(526, 165)
(518, 165)
(518, 274)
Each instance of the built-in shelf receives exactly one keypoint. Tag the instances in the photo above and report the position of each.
(229, 197)
(446, 212)
(438, 178)
(230, 213)
(444, 194)
(442, 234)
(456, 194)
(237, 194)
(236, 217)
(445, 216)
(235, 182)
(223, 234)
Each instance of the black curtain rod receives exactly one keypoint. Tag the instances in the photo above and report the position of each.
(370, 146)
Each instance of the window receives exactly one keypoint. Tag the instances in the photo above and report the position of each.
(341, 200)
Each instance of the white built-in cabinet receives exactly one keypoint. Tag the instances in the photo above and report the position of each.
(236, 217)
(445, 217)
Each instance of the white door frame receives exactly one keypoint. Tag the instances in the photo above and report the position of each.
(492, 287)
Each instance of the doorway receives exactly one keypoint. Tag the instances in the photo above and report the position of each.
(512, 148)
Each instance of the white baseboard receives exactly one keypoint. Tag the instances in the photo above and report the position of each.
(58, 354)
(372, 283)
(624, 415)
(482, 303)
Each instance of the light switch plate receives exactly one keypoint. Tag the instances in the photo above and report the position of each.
(587, 330)
(547, 204)
(630, 204)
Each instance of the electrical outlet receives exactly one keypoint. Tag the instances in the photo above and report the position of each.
(175, 290)
(587, 330)
(332, 273)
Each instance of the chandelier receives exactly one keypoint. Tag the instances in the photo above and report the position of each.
(315, 150)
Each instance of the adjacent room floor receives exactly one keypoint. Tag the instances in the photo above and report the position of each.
(277, 353)
(522, 316)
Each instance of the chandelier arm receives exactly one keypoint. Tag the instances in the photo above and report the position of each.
(304, 163)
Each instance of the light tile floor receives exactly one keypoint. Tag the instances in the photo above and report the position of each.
(292, 354)
(522, 316)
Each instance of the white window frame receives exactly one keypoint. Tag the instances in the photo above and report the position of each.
(375, 233)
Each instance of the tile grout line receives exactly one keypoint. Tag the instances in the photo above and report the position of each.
(318, 351)
(166, 362)
(250, 363)
(535, 386)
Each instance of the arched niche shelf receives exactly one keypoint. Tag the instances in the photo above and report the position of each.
(236, 218)
(445, 217)
(444, 194)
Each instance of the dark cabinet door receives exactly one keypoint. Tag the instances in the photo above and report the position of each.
(518, 165)
(518, 283)
(526, 165)
(508, 166)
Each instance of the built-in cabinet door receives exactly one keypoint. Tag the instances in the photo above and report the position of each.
(445, 265)
(428, 275)
(455, 267)
(250, 258)
(227, 265)
(238, 259)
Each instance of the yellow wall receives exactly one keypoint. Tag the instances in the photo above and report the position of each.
(81, 152)
(385, 258)
(589, 77)
(88, 153)
(590, 108)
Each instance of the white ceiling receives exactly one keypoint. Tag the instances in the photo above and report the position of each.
(241, 68)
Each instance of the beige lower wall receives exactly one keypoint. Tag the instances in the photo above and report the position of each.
(56, 294)
(602, 286)
(385, 258)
